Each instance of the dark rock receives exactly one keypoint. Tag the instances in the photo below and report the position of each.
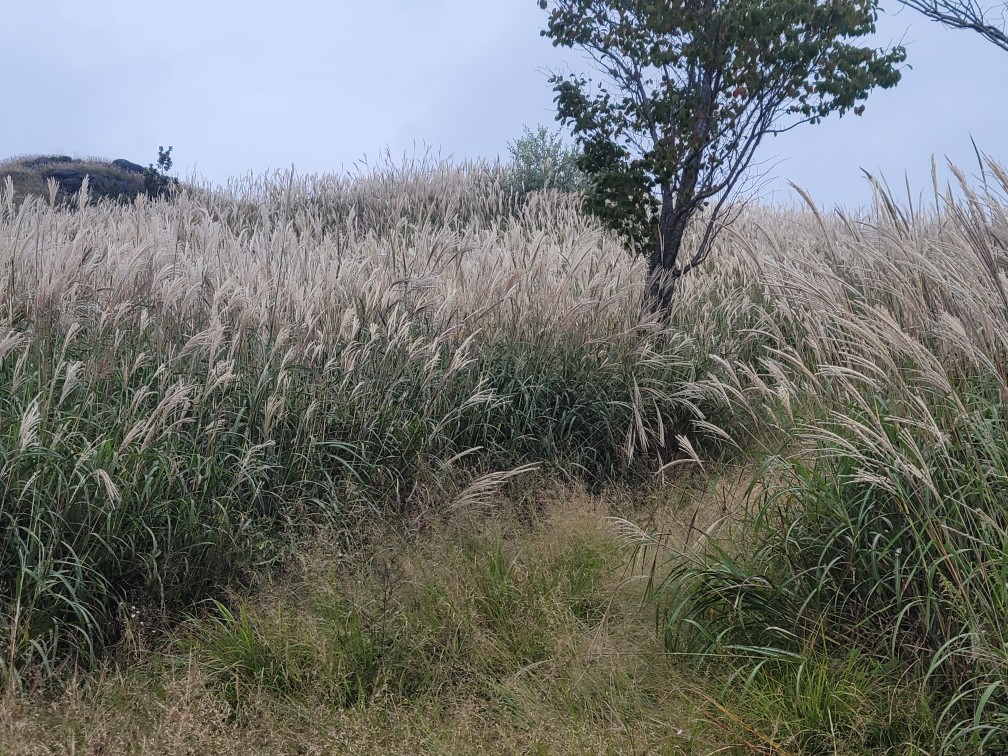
(126, 165)
(101, 183)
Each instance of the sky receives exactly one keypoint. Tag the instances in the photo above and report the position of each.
(245, 86)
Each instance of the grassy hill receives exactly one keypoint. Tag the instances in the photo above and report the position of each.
(390, 463)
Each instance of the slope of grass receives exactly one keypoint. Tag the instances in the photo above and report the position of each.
(193, 388)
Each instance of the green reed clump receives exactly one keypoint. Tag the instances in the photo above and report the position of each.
(881, 528)
(895, 552)
(130, 480)
(572, 403)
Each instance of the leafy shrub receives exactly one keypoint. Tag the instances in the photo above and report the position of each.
(157, 182)
(539, 160)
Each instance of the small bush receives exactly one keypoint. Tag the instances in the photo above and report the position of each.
(157, 182)
(539, 160)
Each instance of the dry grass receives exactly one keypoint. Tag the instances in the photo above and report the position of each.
(602, 683)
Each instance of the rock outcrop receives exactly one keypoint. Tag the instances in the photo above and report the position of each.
(121, 180)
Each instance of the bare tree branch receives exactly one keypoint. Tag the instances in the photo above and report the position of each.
(963, 14)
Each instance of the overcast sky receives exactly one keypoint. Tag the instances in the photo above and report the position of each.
(245, 85)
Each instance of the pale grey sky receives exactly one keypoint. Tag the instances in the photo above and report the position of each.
(246, 85)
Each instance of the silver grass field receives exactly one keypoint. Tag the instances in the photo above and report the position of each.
(193, 391)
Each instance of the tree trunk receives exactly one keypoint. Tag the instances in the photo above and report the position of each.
(678, 207)
(663, 272)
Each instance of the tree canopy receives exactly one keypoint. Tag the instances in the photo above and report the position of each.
(685, 92)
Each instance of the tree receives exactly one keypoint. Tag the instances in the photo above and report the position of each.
(963, 14)
(689, 89)
(157, 182)
(540, 160)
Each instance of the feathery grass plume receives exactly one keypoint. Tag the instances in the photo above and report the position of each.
(8, 197)
(28, 427)
(480, 492)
